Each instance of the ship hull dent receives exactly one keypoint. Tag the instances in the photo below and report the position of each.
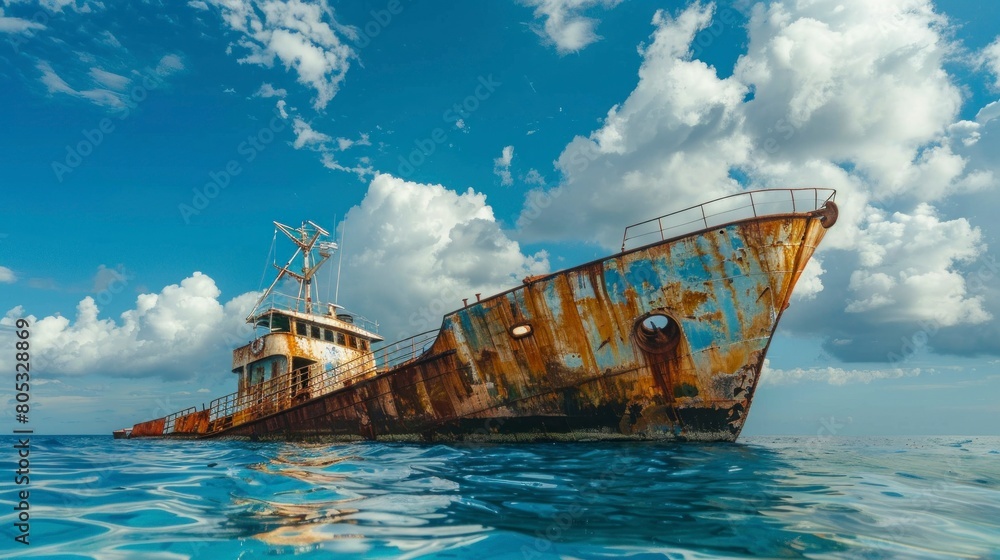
(663, 342)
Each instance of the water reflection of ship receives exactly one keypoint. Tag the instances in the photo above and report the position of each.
(664, 340)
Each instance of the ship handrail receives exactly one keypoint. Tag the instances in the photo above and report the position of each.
(277, 301)
(394, 354)
(168, 420)
(706, 217)
(289, 388)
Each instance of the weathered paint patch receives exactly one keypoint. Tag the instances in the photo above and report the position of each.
(685, 390)
(614, 283)
(573, 361)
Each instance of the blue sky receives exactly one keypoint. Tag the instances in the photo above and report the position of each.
(149, 146)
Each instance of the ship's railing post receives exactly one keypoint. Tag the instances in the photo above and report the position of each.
(683, 227)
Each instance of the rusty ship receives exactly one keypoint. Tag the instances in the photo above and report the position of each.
(664, 340)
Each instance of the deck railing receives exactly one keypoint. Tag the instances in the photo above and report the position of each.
(283, 302)
(291, 388)
(168, 421)
(740, 206)
(393, 354)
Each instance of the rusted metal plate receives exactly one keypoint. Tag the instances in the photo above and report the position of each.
(194, 423)
(151, 428)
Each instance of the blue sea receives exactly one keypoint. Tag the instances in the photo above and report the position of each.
(771, 497)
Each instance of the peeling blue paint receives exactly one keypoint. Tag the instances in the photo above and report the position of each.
(573, 361)
(553, 301)
(643, 278)
(614, 282)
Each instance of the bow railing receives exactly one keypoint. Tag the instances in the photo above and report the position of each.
(728, 209)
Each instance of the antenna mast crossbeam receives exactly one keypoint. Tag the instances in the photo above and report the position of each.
(306, 239)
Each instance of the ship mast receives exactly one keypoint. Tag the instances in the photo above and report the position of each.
(306, 238)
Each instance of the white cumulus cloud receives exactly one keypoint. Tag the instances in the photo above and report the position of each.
(991, 57)
(7, 275)
(810, 283)
(832, 375)
(298, 35)
(345, 143)
(182, 330)
(501, 166)
(267, 90)
(845, 94)
(669, 145)
(414, 250)
(564, 25)
(907, 269)
(306, 136)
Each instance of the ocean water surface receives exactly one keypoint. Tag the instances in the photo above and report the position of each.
(772, 497)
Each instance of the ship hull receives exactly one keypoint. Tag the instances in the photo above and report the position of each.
(662, 342)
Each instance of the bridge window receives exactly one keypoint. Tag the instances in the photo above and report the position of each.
(340, 339)
(354, 342)
(328, 335)
(301, 328)
(314, 331)
(274, 322)
(363, 343)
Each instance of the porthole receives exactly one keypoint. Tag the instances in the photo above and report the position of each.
(520, 331)
(657, 332)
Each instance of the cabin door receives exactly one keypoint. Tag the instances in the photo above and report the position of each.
(300, 378)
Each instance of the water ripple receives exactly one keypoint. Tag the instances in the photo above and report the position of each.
(773, 497)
